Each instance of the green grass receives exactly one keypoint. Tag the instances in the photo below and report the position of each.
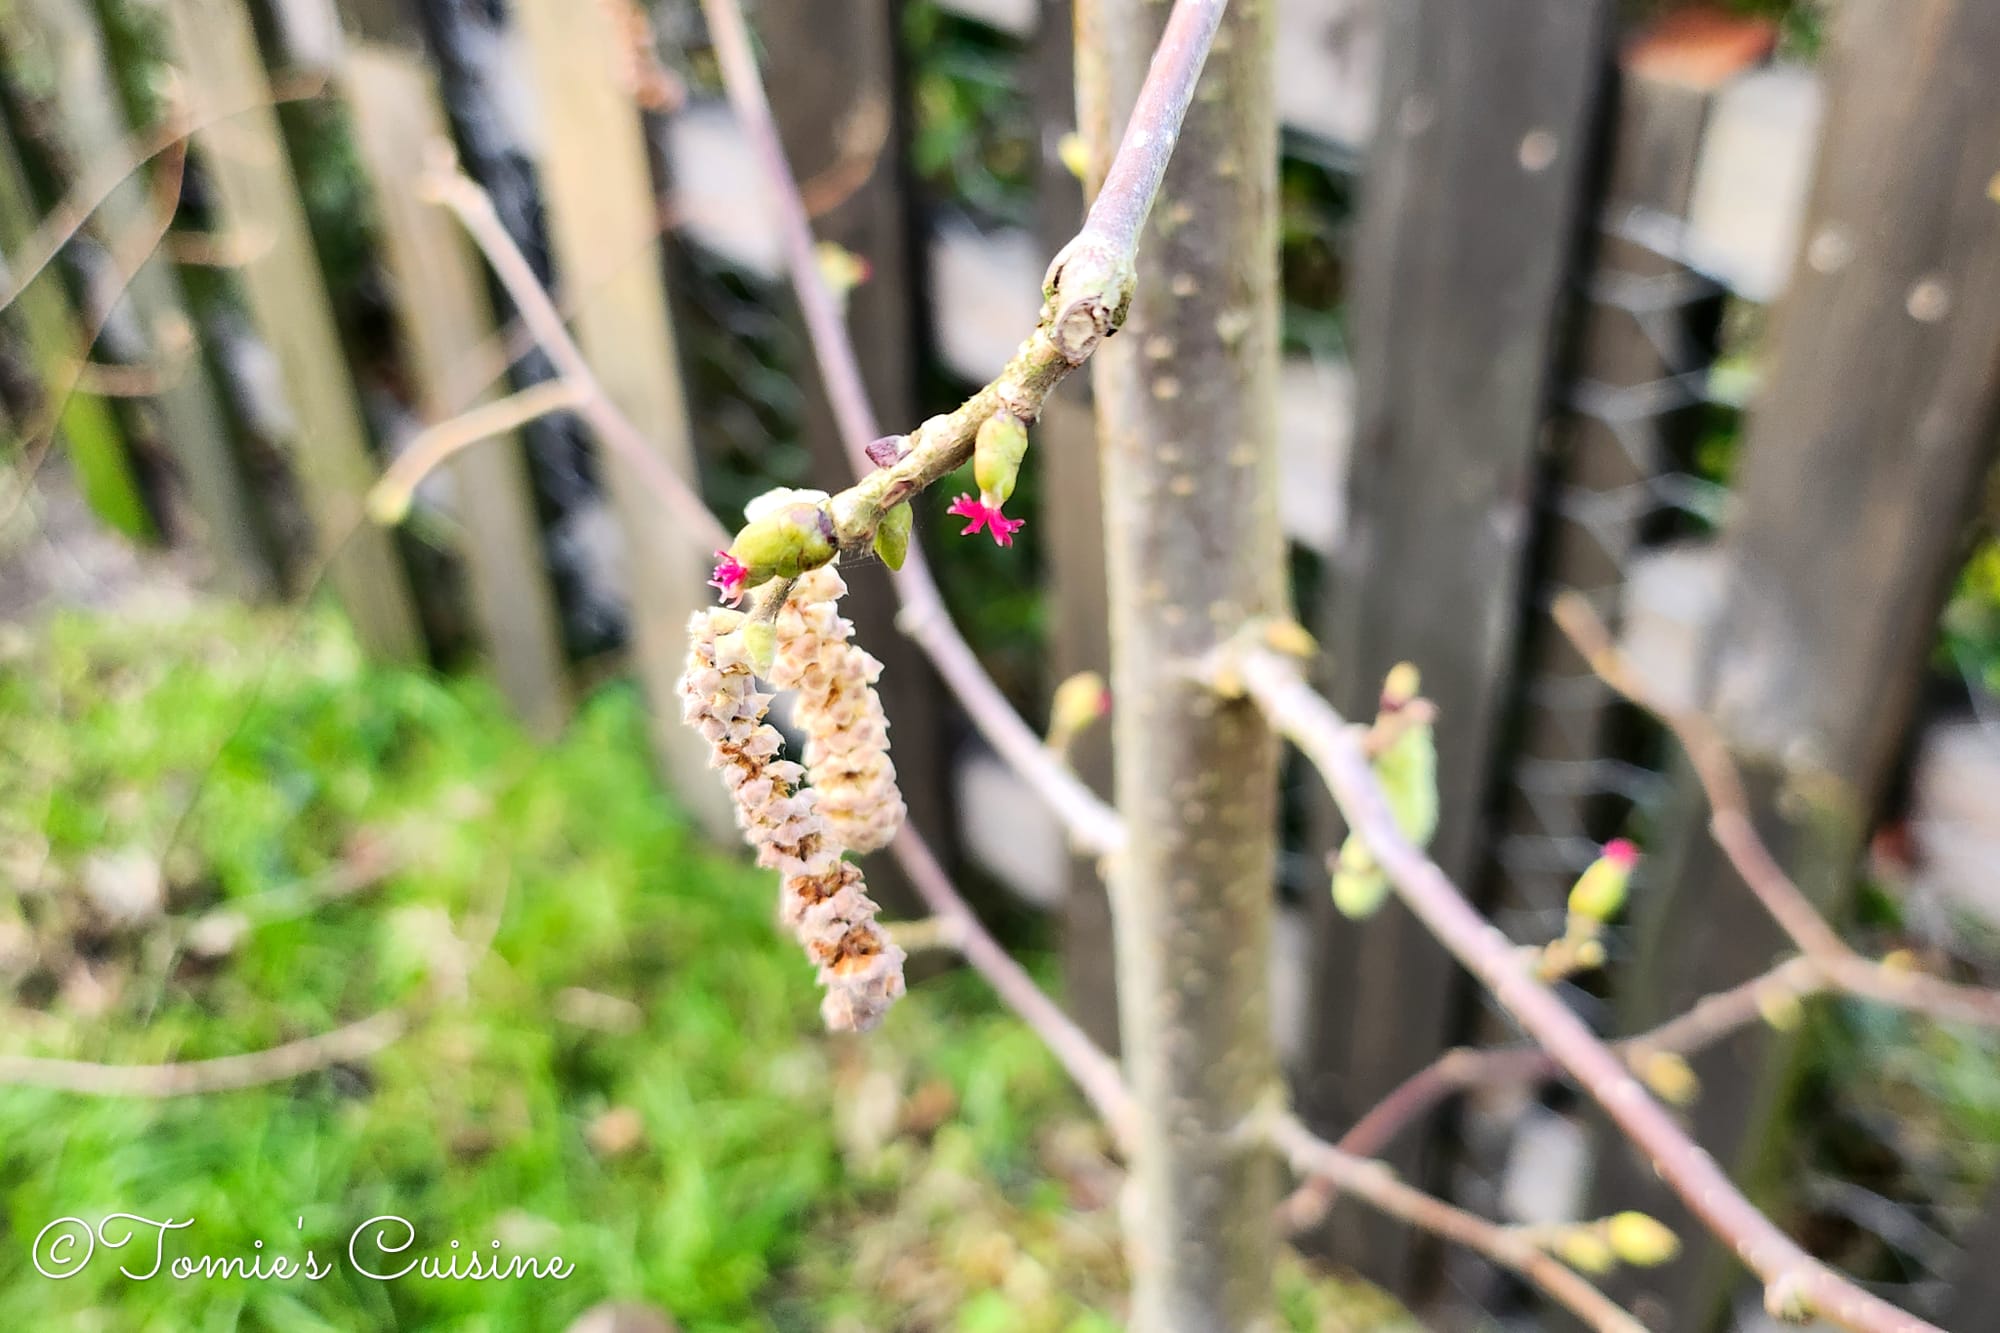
(473, 1127)
(936, 1174)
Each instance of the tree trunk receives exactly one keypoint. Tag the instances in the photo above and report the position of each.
(1187, 427)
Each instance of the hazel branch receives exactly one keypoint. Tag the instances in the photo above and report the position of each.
(1092, 824)
(1736, 833)
(1795, 1284)
(1085, 296)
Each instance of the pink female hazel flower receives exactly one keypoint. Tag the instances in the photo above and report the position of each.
(1600, 891)
(986, 516)
(996, 462)
(730, 578)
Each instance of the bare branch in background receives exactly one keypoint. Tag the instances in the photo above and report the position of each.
(1735, 832)
(1795, 1284)
(129, 254)
(356, 1041)
(432, 447)
(89, 194)
(1510, 1248)
(1706, 1022)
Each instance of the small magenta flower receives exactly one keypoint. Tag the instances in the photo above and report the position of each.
(996, 463)
(986, 516)
(730, 578)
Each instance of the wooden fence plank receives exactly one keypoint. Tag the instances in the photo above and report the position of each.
(1862, 466)
(598, 189)
(87, 427)
(1471, 209)
(191, 421)
(1649, 323)
(243, 153)
(441, 300)
(1975, 1287)
(833, 72)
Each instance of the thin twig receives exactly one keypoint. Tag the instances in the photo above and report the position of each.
(88, 195)
(473, 208)
(1794, 1282)
(1708, 1021)
(1736, 833)
(1375, 1183)
(128, 257)
(228, 1073)
(431, 447)
(1096, 1074)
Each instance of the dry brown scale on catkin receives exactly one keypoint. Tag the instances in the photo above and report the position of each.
(847, 734)
(823, 898)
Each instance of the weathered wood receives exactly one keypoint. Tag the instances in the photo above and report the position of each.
(86, 425)
(440, 299)
(1975, 1287)
(832, 71)
(1072, 534)
(1648, 323)
(1472, 209)
(598, 188)
(1187, 429)
(189, 415)
(1862, 466)
(243, 152)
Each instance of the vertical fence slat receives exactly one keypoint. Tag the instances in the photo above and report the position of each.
(445, 313)
(1468, 222)
(832, 70)
(603, 230)
(1079, 615)
(86, 424)
(192, 423)
(1624, 346)
(1975, 1288)
(1862, 465)
(244, 156)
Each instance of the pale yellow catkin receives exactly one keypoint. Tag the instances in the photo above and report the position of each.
(846, 731)
(823, 898)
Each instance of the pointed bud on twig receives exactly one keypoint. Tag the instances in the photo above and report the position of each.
(1400, 686)
(783, 541)
(892, 536)
(1074, 154)
(1670, 1076)
(1640, 1240)
(1780, 1007)
(1586, 1250)
(1076, 706)
(997, 451)
(887, 450)
(388, 503)
(1599, 892)
(1289, 637)
(1785, 1299)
